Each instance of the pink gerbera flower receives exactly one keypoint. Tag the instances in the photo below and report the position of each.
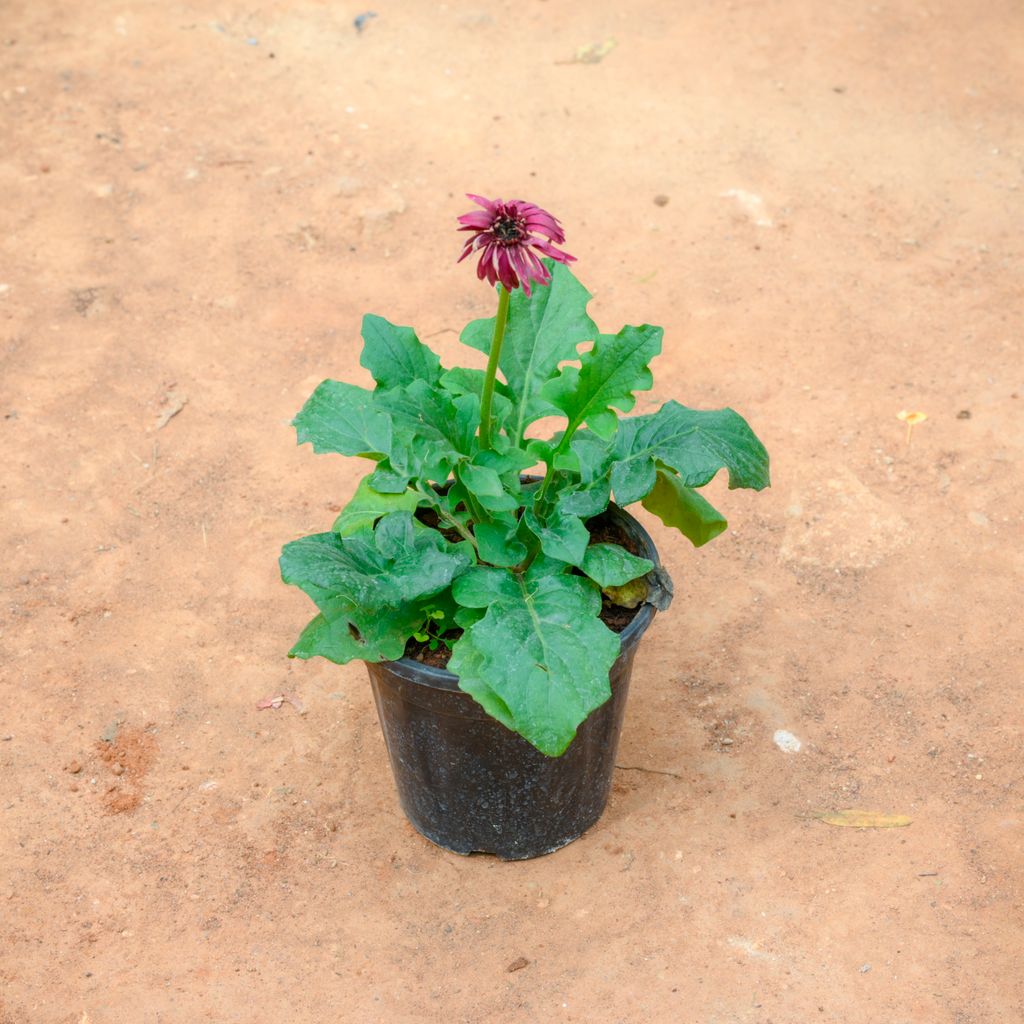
(506, 235)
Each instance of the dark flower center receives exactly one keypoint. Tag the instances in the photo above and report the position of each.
(508, 229)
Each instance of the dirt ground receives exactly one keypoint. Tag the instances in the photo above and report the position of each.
(200, 201)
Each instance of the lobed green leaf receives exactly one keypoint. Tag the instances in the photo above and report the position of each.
(538, 661)
(395, 356)
(606, 379)
(343, 418)
(371, 584)
(696, 444)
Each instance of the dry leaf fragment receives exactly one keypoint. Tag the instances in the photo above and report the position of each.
(629, 595)
(173, 402)
(592, 54)
(911, 419)
(853, 818)
(276, 701)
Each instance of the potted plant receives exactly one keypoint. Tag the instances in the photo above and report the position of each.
(489, 577)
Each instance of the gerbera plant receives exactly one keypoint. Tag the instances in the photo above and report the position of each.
(471, 533)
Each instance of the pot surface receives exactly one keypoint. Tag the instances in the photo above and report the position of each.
(471, 785)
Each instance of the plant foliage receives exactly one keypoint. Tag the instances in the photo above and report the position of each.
(445, 526)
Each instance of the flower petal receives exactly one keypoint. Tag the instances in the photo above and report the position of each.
(506, 274)
(551, 252)
(488, 204)
(518, 257)
(542, 221)
(476, 220)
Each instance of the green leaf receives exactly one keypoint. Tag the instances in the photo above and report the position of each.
(465, 617)
(485, 485)
(374, 583)
(609, 565)
(368, 505)
(388, 480)
(542, 331)
(395, 356)
(680, 506)
(356, 568)
(587, 502)
(424, 413)
(608, 375)
(694, 443)
(431, 430)
(505, 461)
(332, 640)
(462, 381)
(538, 661)
(415, 430)
(497, 542)
(594, 455)
(482, 586)
(343, 632)
(342, 418)
(562, 535)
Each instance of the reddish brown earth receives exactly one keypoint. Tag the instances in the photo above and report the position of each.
(199, 203)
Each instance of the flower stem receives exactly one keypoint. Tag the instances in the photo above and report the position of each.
(492, 367)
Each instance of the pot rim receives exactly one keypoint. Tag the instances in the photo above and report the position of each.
(442, 679)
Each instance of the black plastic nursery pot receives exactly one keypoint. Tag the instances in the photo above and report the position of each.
(471, 785)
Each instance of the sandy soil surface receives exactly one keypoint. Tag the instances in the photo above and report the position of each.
(201, 200)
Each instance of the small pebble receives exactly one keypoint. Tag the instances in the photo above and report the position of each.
(74, 767)
(786, 741)
(118, 769)
(661, 200)
(864, 968)
(518, 964)
(727, 742)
